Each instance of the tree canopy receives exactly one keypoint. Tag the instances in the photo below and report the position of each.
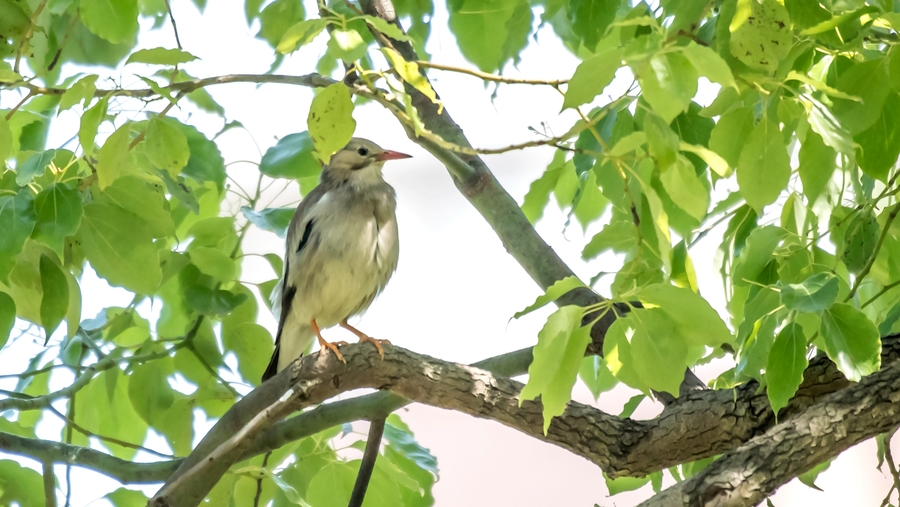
(793, 164)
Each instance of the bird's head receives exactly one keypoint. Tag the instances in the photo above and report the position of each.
(359, 163)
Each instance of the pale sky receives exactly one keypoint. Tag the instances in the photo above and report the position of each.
(456, 288)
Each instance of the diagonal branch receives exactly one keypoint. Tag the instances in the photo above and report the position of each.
(747, 475)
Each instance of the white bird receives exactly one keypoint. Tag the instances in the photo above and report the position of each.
(342, 248)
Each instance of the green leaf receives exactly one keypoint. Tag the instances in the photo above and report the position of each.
(81, 91)
(764, 167)
(20, 485)
(661, 356)
(203, 297)
(34, 166)
(860, 240)
(166, 146)
(554, 292)
(127, 498)
(661, 140)
(148, 388)
(331, 486)
(623, 484)
(481, 28)
(590, 18)
(113, 20)
(685, 189)
(160, 56)
(757, 253)
(709, 64)
(58, 211)
(330, 120)
(400, 439)
(817, 164)
(557, 358)
(272, 219)
(851, 341)
(784, 370)
(55, 296)
(814, 294)
(589, 202)
(119, 245)
(761, 33)
(103, 407)
(291, 157)
(692, 317)
(7, 317)
(177, 424)
(539, 192)
(17, 220)
(591, 77)
(277, 18)
(348, 45)
(596, 376)
(669, 82)
(879, 145)
(301, 34)
(143, 199)
(252, 344)
(869, 81)
(392, 31)
(822, 122)
(213, 262)
(619, 236)
(711, 158)
(205, 162)
(737, 124)
(114, 158)
(409, 72)
(809, 477)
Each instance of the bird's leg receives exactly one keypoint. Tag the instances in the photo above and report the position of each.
(324, 345)
(363, 337)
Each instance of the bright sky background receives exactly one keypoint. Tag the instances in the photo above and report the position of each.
(456, 288)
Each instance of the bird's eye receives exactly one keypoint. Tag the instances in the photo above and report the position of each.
(363, 151)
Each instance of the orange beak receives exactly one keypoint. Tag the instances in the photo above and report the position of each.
(391, 155)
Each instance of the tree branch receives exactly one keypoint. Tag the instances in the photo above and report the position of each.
(583, 430)
(747, 475)
(124, 471)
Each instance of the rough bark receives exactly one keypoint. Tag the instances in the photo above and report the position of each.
(750, 473)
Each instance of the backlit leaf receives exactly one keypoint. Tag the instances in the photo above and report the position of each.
(114, 20)
(784, 370)
(330, 120)
(58, 211)
(114, 158)
(55, 295)
(166, 146)
(554, 292)
(160, 56)
(557, 358)
(851, 341)
(764, 167)
(814, 294)
(591, 77)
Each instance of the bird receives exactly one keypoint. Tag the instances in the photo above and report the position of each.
(342, 248)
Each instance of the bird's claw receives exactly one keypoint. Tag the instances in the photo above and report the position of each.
(378, 343)
(333, 347)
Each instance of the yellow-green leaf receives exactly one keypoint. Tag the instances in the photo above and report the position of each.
(409, 72)
(166, 146)
(557, 359)
(330, 121)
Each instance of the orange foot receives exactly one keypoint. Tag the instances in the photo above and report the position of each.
(324, 345)
(363, 337)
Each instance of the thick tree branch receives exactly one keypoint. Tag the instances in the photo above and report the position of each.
(583, 430)
(747, 475)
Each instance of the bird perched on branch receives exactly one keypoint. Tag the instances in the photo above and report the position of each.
(342, 249)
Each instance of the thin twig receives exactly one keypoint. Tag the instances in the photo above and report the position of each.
(112, 440)
(49, 484)
(174, 26)
(20, 104)
(880, 293)
(489, 77)
(27, 35)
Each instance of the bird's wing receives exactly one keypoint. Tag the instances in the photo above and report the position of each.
(296, 240)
